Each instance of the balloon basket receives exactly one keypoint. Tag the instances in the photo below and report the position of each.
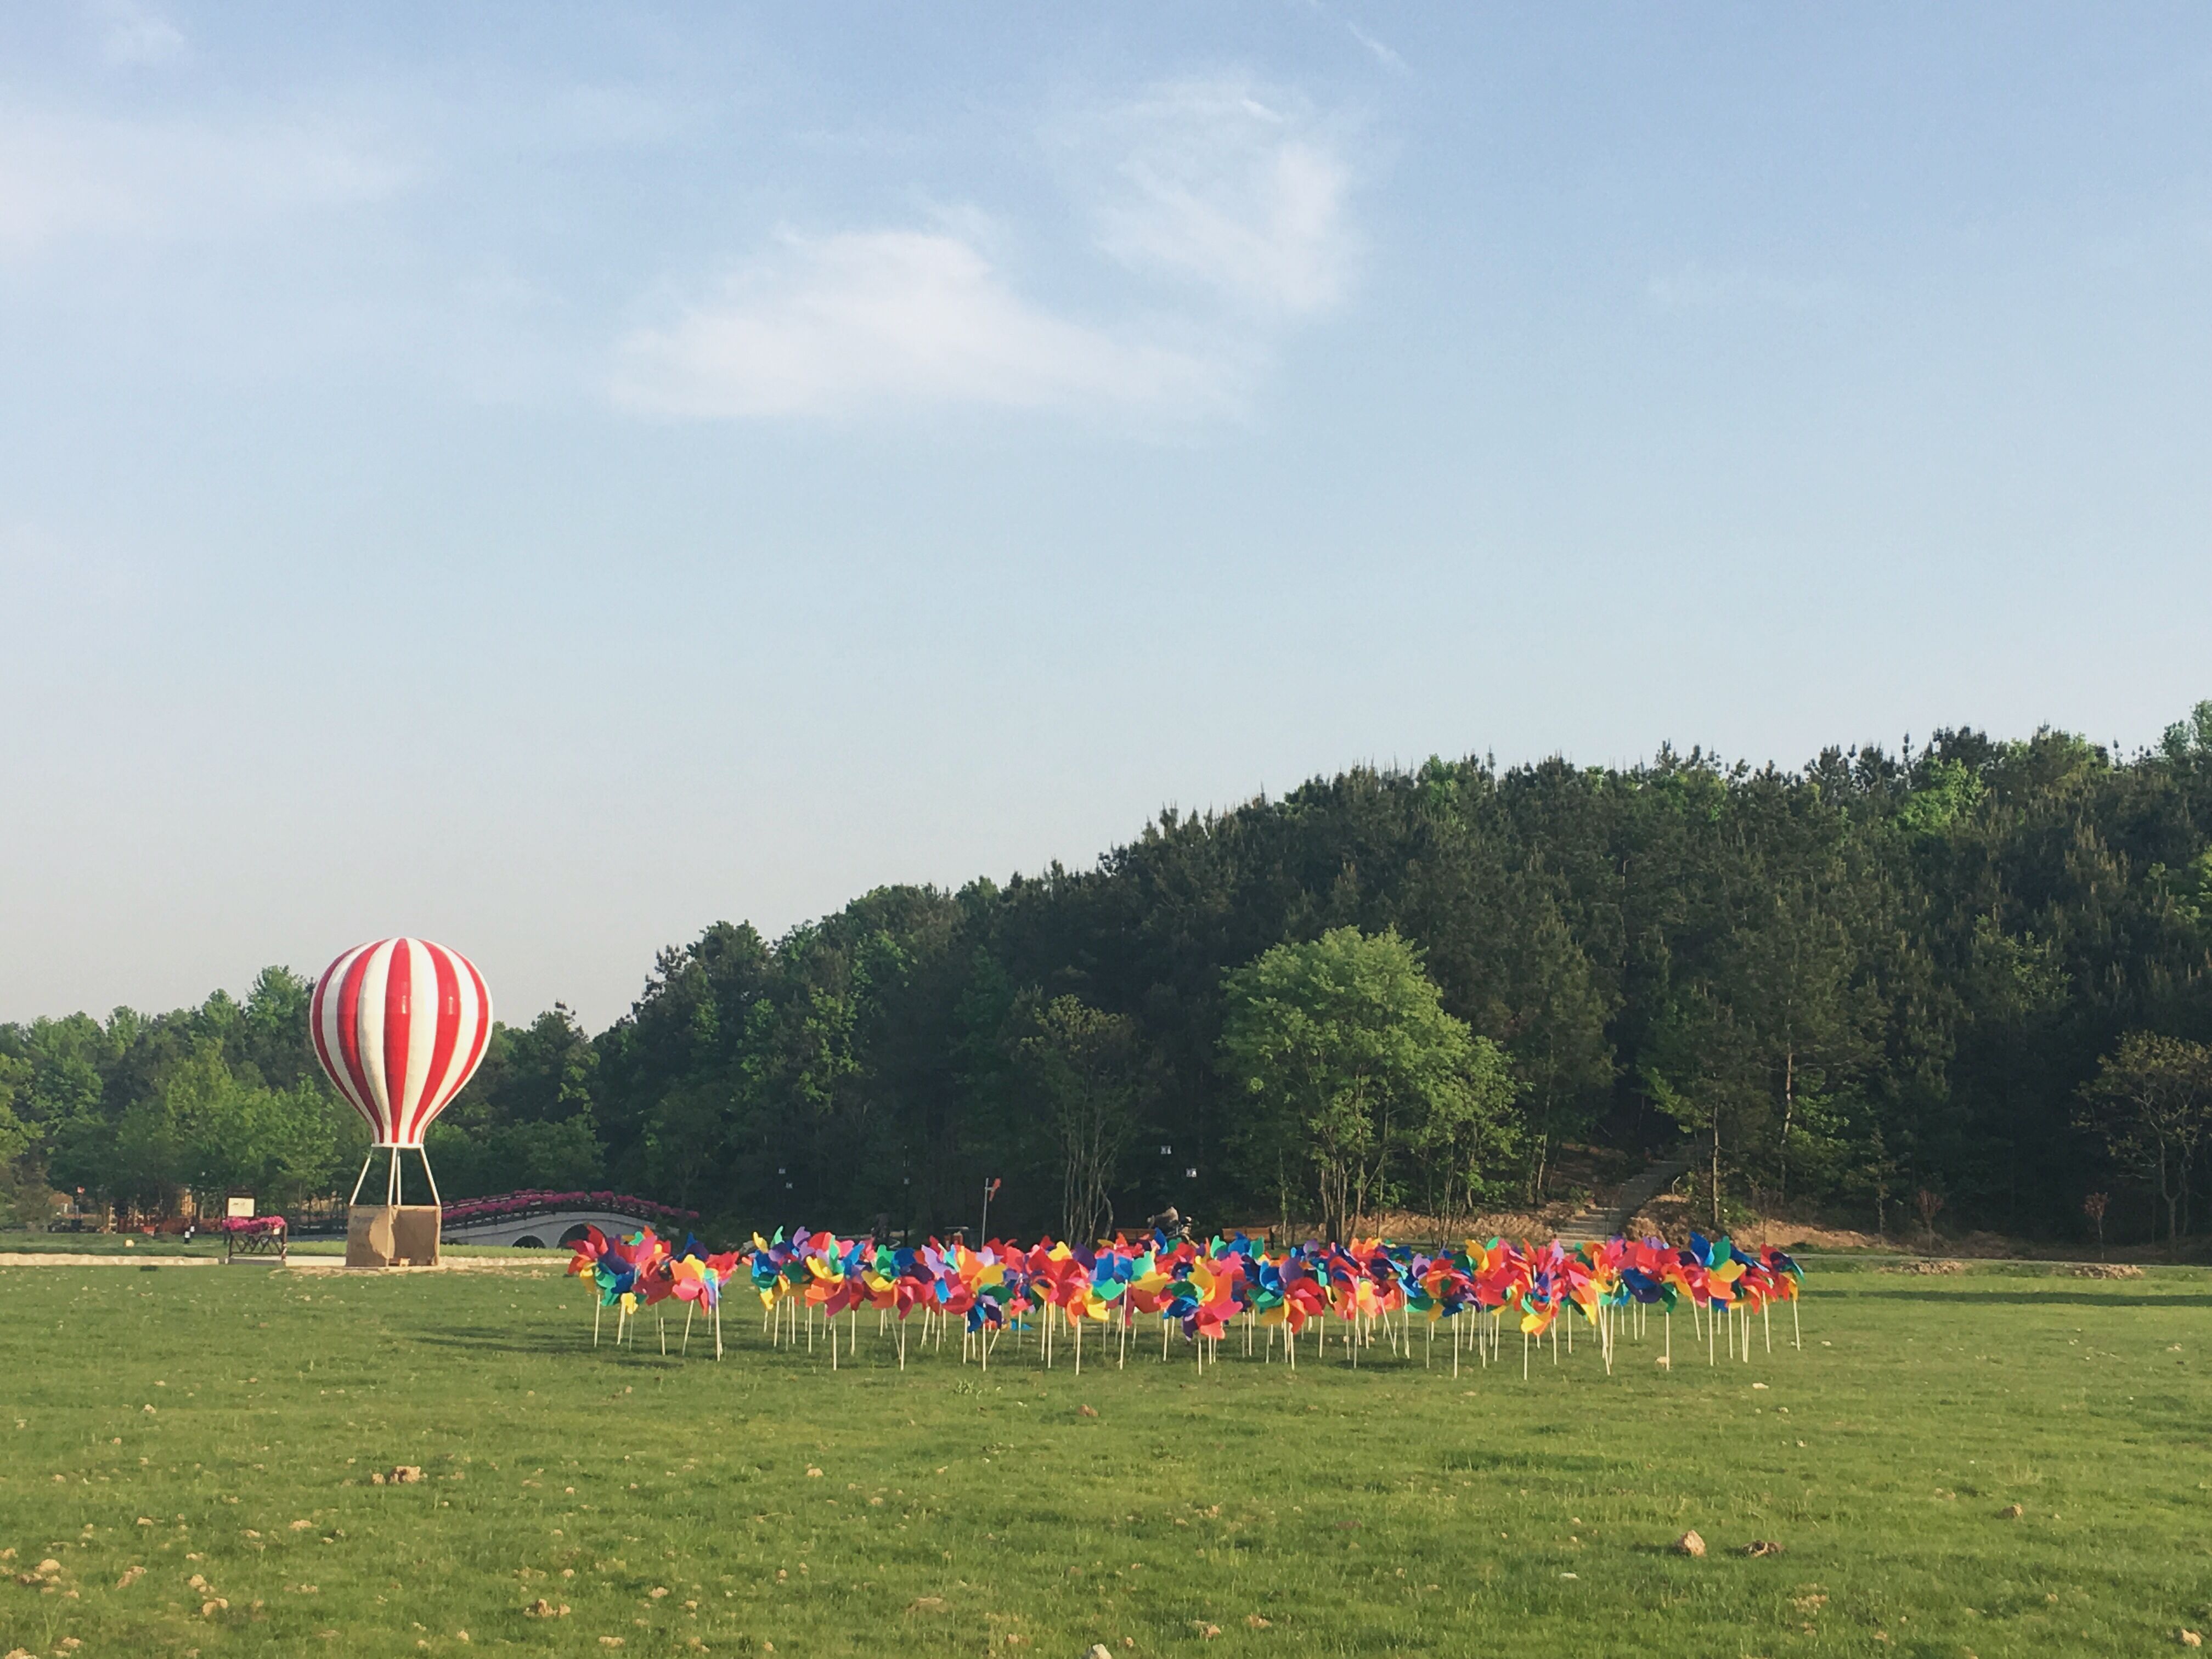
(395, 1233)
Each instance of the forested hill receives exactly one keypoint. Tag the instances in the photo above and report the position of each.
(1878, 975)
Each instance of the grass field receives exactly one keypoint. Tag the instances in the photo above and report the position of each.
(217, 1428)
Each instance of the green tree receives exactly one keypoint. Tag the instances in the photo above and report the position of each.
(1342, 1047)
(526, 1119)
(2150, 1103)
(561, 1155)
(1084, 1069)
(1704, 1070)
(1796, 983)
(1557, 1034)
(14, 1135)
(22, 1189)
(204, 1129)
(1468, 1133)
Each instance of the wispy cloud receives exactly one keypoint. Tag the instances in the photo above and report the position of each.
(133, 35)
(62, 176)
(1382, 53)
(1695, 287)
(1239, 187)
(848, 323)
(1230, 206)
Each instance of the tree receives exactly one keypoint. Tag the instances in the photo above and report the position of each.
(22, 1191)
(1556, 1037)
(1085, 1070)
(206, 1129)
(1930, 1205)
(1469, 1132)
(1703, 1071)
(1875, 973)
(526, 1118)
(558, 1155)
(2093, 1205)
(15, 1136)
(2149, 1102)
(1345, 1056)
(1795, 980)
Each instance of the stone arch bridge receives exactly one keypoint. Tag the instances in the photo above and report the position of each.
(549, 1227)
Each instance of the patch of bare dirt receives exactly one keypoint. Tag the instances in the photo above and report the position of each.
(337, 1264)
(1795, 1235)
(74, 1259)
(1984, 1246)
(1674, 1219)
(1536, 1225)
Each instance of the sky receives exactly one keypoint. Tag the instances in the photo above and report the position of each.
(547, 477)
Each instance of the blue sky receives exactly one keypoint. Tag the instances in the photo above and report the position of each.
(546, 477)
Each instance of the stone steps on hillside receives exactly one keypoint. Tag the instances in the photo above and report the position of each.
(1600, 1221)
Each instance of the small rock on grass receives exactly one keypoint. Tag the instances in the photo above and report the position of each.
(2010, 1512)
(1689, 1544)
(1762, 1546)
(1098, 1650)
(2189, 1638)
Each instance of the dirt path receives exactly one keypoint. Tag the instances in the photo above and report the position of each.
(78, 1259)
(309, 1264)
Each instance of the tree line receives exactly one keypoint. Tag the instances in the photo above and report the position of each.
(1970, 976)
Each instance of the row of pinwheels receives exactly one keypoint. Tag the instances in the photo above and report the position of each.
(1227, 1288)
(643, 1270)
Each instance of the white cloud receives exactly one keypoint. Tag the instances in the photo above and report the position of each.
(1694, 287)
(1244, 190)
(1383, 55)
(135, 34)
(1238, 199)
(65, 177)
(849, 323)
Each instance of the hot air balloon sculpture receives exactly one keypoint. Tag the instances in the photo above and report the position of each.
(399, 1025)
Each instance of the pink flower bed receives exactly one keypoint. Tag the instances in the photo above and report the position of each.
(252, 1223)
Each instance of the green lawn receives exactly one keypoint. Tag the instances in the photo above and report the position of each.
(1388, 1510)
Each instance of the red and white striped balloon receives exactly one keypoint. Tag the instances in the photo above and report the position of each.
(399, 1025)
